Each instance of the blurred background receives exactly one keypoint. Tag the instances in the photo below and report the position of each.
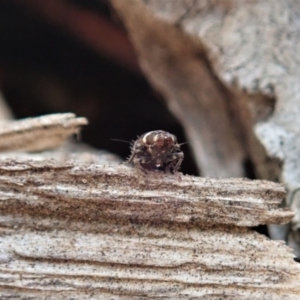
(75, 56)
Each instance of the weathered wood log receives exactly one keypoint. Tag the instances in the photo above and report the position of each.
(71, 229)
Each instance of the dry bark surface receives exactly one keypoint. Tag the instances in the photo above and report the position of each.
(73, 226)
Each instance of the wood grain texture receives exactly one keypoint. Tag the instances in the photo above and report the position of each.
(40, 133)
(70, 229)
(120, 192)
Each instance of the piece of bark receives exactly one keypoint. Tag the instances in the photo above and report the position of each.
(155, 197)
(251, 47)
(40, 133)
(87, 231)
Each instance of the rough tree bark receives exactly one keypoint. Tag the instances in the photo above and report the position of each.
(229, 71)
(77, 226)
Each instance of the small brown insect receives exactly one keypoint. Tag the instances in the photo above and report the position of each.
(157, 150)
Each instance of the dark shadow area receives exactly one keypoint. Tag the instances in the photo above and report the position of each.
(44, 69)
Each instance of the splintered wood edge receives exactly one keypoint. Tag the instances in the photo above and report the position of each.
(94, 191)
(40, 133)
(93, 231)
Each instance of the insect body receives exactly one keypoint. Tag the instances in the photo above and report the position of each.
(157, 150)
